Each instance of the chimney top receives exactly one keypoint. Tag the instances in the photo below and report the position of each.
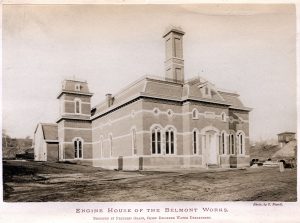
(173, 29)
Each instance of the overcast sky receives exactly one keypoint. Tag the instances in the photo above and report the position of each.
(243, 48)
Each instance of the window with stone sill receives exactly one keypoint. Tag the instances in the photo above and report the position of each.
(156, 137)
(170, 141)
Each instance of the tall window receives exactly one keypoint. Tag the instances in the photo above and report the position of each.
(241, 143)
(231, 143)
(223, 116)
(78, 148)
(195, 143)
(195, 113)
(156, 140)
(223, 143)
(170, 141)
(133, 139)
(77, 106)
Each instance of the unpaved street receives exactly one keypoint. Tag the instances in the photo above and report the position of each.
(40, 182)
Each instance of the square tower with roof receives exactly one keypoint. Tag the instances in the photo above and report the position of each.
(74, 124)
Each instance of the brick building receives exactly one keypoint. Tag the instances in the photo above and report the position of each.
(155, 122)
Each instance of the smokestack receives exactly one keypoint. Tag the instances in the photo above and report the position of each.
(174, 64)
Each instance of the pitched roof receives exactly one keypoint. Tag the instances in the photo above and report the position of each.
(289, 133)
(162, 88)
(288, 151)
(50, 131)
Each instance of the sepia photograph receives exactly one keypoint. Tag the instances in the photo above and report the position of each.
(149, 103)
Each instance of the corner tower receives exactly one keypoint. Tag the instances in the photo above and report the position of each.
(174, 63)
(74, 124)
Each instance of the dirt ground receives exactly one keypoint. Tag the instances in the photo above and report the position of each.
(26, 181)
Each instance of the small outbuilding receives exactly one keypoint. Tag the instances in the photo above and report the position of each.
(45, 142)
(285, 137)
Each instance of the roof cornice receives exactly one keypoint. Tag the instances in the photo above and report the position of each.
(241, 108)
(74, 92)
(73, 118)
(141, 96)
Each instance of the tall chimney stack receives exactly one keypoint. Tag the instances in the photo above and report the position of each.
(174, 63)
(109, 100)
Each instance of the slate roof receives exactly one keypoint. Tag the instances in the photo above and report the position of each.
(50, 131)
(162, 88)
(68, 86)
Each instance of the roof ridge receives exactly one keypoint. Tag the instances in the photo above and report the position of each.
(44, 123)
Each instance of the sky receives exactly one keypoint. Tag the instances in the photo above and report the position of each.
(250, 49)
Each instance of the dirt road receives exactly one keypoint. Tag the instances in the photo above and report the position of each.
(40, 182)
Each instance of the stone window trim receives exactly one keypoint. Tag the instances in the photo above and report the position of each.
(78, 144)
(195, 113)
(223, 143)
(77, 87)
(163, 141)
(77, 106)
(240, 139)
(195, 142)
(232, 143)
(223, 116)
(170, 139)
(156, 139)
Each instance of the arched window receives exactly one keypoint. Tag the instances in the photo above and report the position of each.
(170, 145)
(78, 148)
(232, 143)
(156, 140)
(222, 144)
(77, 106)
(241, 143)
(195, 114)
(133, 141)
(223, 116)
(195, 142)
(110, 145)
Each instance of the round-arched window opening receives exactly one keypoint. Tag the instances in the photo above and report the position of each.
(223, 116)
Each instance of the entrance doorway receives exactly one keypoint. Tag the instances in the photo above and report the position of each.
(212, 148)
(210, 145)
